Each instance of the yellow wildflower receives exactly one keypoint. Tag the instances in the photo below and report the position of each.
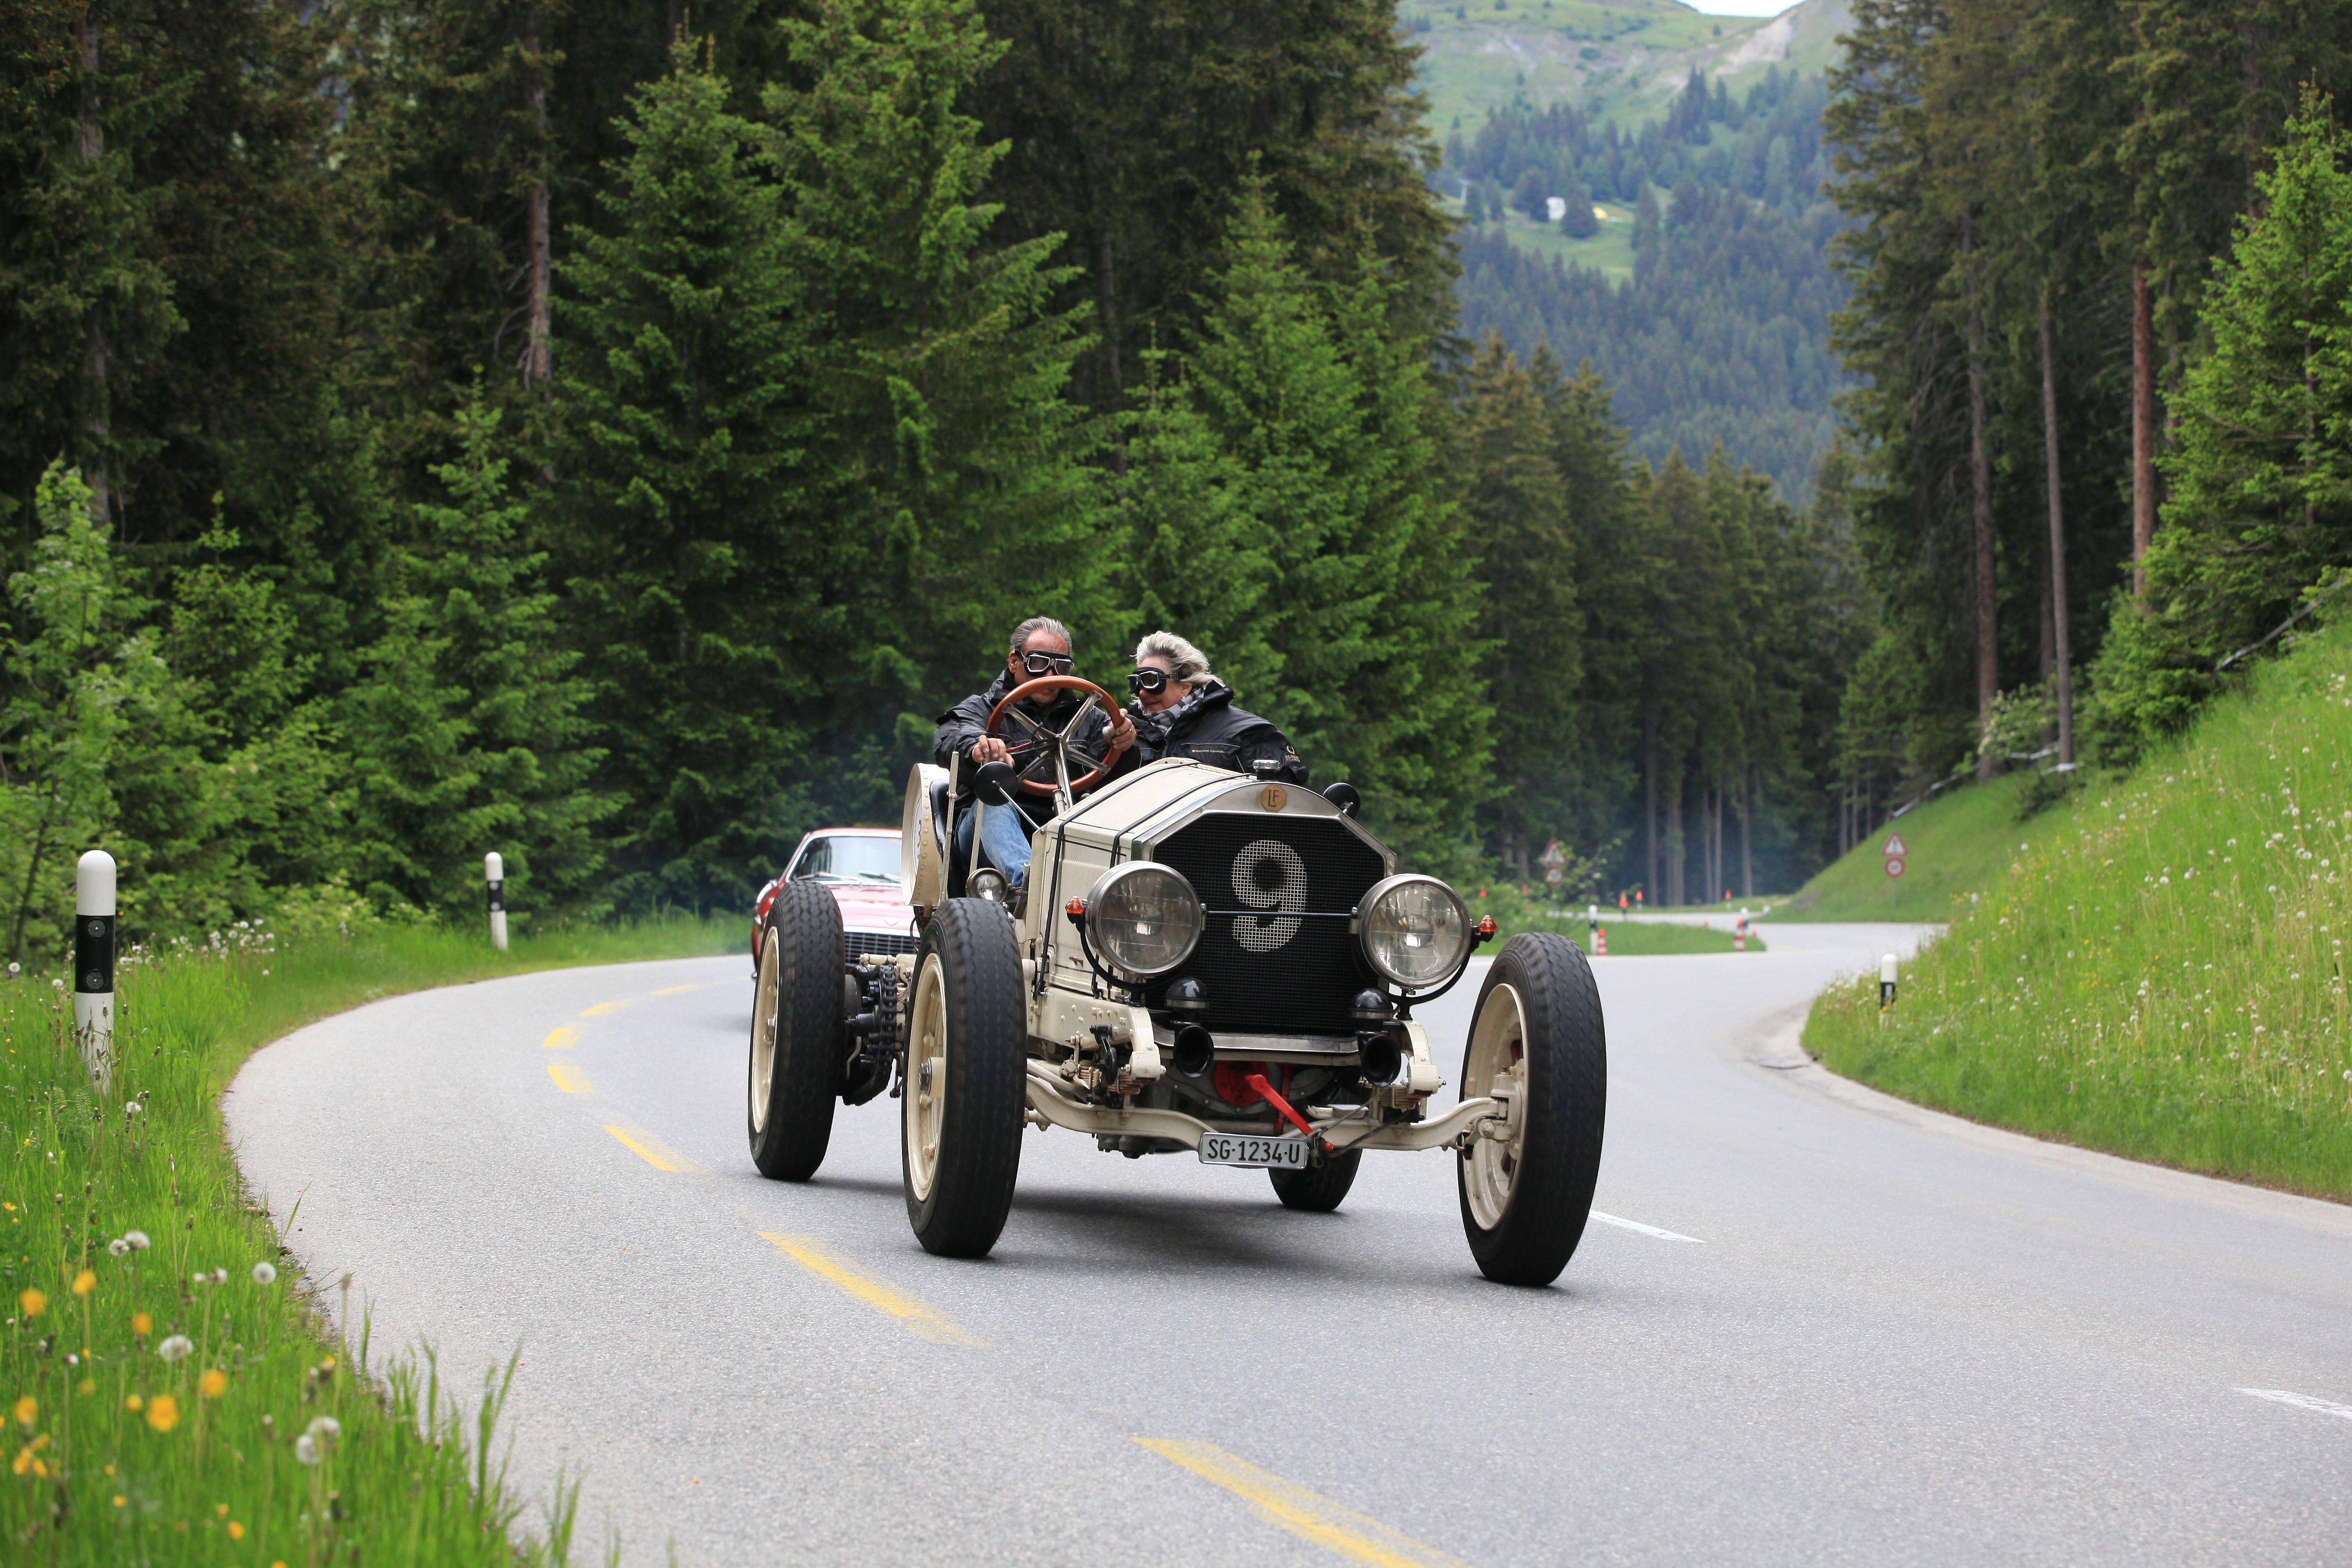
(85, 1282)
(40, 1469)
(162, 1412)
(220, 1510)
(28, 1410)
(213, 1383)
(134, 1404)
(33, 1302)
(235, 1530)
(118, 1500)
(141, 1323)
(24, 1461)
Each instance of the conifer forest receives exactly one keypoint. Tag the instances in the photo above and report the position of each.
(608, 433)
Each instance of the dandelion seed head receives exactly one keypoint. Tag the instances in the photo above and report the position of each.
(176, 1347)
(138, 1240)
(306, 1449)
(265, 1273)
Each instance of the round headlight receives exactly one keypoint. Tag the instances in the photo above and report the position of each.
(1143, 918)
(1413, 929)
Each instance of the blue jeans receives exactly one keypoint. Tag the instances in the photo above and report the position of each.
(1003, 842)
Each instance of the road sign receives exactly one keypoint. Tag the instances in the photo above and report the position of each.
(1894, 866)
(1553, 855)
(1894, 847)
(1555, 876)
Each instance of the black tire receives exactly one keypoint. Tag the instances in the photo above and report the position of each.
(1319, 1189)
(797, 1002)
(966, 1084)
(1525, 1233)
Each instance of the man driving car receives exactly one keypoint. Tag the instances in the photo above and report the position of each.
(1040, 648)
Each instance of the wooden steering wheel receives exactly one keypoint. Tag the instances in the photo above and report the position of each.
(1053, 747)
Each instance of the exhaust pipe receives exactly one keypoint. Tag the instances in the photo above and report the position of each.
(1195, 1052)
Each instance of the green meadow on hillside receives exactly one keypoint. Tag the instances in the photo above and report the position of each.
(2161, 971)
(1957, 844)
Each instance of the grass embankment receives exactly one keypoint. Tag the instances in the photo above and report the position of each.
(2162, 973)
(171, 1394)
(1514, 913)
(1959, 844)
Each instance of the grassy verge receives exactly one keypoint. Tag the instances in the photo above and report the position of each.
(172, 1396)
(1959, 843)
(1514, 913)
(2161, 971)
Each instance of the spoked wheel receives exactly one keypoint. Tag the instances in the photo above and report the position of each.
(1536, 1042)
(965, 1089)
(1320, 1189)
(797, 1042)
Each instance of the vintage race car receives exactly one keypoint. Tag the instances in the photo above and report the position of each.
(859, 867)
(1201, 960)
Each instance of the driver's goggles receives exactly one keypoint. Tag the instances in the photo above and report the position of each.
(1048, 663)
(1148, 679)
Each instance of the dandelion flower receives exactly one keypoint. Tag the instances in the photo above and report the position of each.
(325, 1426)
(306, 1449)
(28, 1410)
(85, 1282)
(162, 1412)
(265, 1273)
(119, 1247)
(138, 1240)
(133, 1107)
(235, 1530)
(33, 1302)
(220, 1276)
(213, 1383)
(118, 1500)
(140, 1324)
(134, 1405)
(220, 1510)
(176, 1348)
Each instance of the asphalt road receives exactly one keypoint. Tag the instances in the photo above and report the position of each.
(1852, 1332)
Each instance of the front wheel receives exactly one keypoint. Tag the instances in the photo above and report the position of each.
(966, 1084)
(796, 1033)
(1537, 1044)
(1320, 1189)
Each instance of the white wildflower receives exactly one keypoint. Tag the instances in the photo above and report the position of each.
(138, 1240)
(305, 1448)
(178, 1347)
(265, 1273)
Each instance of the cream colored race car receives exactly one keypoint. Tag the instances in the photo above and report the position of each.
(1201, 960)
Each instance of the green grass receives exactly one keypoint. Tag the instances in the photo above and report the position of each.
(1514, 913)
(122, 1450)
(2161, 971)
(1960, 844)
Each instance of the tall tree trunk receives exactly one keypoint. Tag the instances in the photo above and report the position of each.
(1677, 866)
(2142, 458)
(1747, 816)
(2057, 541)
(89, 144)
(539, 353)
(1980, 514)
(1650, 800)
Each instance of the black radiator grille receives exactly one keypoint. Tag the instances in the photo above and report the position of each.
(1266, 976)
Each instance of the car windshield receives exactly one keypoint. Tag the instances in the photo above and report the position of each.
(850, 858)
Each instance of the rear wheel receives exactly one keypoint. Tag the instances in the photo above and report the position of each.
(1320, 1189)
(1536, 1042)
(960, 1150)
(796, 1033)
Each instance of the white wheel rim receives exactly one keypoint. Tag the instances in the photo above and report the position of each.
(1497, 1065)
(764, 1035)
(927, 1080)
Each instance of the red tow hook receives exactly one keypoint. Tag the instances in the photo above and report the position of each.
(1257, 1080)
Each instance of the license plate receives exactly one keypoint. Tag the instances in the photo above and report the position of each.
(1264, 1153)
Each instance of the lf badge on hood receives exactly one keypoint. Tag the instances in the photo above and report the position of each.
(1274, 797)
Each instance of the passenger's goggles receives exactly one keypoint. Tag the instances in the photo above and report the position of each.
(1148, 679)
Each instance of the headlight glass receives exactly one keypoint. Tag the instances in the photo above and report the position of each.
(1414, 931)
(1143, 918)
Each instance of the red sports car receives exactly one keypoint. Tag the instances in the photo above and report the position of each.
(859, 866)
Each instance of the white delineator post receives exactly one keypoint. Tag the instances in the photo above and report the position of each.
(494, 871)
(1887, 969)
(94, 963)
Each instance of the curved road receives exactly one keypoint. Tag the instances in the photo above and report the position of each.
(1828, 1327)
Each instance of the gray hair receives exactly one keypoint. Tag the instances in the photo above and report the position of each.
(1186, 663)
(1021, 633)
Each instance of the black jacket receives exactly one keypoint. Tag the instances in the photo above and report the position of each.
(1207, 728)
(962, 725)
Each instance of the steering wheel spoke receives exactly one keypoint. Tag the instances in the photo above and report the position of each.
(1054, 747)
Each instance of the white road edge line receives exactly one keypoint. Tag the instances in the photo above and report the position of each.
(2301, 1402)
(1661, 1235)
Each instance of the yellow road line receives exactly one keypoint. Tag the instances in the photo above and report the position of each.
(922, 1320)
(1300, 1511)
(601, 1008)
(676, 990)
(570, 1079)
(558, 1038)
(650, 1149)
